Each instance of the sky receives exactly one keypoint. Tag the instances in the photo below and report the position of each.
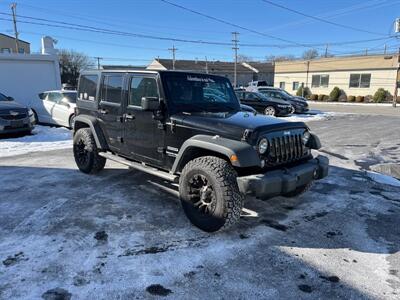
(264, 29)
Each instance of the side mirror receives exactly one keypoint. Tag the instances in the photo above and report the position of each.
(150, 103)
(10, 98)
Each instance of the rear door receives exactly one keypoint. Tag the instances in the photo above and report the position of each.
(110, 108)
(49, 105)
(142, 138)
(61, 111)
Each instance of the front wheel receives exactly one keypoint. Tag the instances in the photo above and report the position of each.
(269, 111)
(209, 193)
(86, 154)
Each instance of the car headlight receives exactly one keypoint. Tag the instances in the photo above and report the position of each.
(263, 146)
(306, 137)
(30, 112)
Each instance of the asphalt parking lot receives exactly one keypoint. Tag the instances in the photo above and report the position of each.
(122, 234)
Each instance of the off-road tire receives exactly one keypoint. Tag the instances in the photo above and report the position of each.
(228, 199)
(298, 191)
(92, 162)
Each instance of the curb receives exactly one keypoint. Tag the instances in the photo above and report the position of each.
(352, 104)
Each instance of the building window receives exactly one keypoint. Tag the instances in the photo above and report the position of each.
(320, 81)
(21, 50)
(360, 80)
(295, 86)
(282, 85)
(5, 50)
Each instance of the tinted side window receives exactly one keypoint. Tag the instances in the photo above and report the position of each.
(87, 87)
(54, 97)
(111, 88)
(142, 87)
(250, 96)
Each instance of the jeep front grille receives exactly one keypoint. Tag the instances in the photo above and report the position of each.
(285, 149)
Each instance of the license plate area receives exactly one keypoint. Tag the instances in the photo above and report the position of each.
(17, 123)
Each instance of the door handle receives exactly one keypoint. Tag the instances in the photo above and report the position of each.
(103, 111)
(129, 117)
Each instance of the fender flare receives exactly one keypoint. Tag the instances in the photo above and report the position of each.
(94, 126)
(246, 155)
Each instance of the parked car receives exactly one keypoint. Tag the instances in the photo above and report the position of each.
(253, 86)
(299, 104)
(14, 117)
(56, 107)
(164, 124)
(265, 105)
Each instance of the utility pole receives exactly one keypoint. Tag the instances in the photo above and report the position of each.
(235, 48)
(14, 12)
(384, 51)
(173, 50)
(397, 80)
(326, 50)
(98, 62)
(206, 66)
(308, 70)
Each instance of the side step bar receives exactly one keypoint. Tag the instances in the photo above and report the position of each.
(139, 166)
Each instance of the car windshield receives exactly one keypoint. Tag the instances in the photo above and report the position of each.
(3, 97)
(199, 93)
(70, 96)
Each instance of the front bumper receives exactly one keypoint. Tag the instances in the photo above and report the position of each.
(281, 112)
(15, 126)
(279, 182)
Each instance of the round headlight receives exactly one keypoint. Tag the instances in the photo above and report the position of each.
(30, 112)
(306, 137)
(263, 146)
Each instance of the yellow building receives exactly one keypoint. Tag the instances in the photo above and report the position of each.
(355, 75)
(7, 45)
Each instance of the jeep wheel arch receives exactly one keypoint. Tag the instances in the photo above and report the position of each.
(82, 121)
(238, 153)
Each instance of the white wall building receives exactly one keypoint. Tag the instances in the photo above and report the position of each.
(24, 76)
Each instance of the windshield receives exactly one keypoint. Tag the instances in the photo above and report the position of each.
(70, 96)
(199, 93)
(3, 97)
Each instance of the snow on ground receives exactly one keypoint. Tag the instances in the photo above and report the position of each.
(43, 138)
(312, 115)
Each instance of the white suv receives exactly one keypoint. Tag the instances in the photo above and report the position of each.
(56, 107)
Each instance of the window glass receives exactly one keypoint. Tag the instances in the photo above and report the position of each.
(70, 96)
(3, 97)
(324, 81)
(365, 80)
(354, 80)
(199, 92)
(142, 87)
(315, 80)
(251, 96)
(239, 95)
(282, 85)
(111, 88)
(21, 50)
(87, 87)
(295, 85)
(54, 97)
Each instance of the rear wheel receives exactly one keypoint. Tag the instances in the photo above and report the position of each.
(269, 111)
(72, 121)
(209, 193)
(86, 154)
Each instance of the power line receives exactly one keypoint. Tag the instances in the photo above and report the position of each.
(319, 19)
(232, 24)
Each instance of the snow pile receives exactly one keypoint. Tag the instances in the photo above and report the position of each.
(384, 179)
(43, 138)
(312, 115)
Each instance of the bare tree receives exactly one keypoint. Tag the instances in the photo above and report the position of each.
(71, 64)
(244, 58)
(283, 57)
(310, 54)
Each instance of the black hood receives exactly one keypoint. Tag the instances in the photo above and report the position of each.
(233, 125)
(11, 105)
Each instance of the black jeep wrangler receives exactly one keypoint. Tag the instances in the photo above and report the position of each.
(190, 128)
